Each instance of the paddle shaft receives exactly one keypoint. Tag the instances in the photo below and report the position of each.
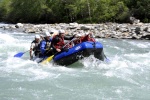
(68, 43)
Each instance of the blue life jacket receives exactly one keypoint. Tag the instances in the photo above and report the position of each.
(45, 45)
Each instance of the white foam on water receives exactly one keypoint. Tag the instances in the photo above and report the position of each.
(139, 59)
(127, 68)
(9, 43)
(6, 38)
(119, 67)
(38, 74)
(140, 45)
(32, 70)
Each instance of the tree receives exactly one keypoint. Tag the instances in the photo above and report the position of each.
(26, 10)
(4, 9)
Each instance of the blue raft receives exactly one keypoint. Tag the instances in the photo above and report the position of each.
(79, 51)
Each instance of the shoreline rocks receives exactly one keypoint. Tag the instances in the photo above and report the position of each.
(139, 31)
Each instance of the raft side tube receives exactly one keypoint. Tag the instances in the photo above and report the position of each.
(80, 51)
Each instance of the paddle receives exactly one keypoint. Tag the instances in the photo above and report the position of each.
(20, 54)
(51, 57)
(107, 60)
(47, 59)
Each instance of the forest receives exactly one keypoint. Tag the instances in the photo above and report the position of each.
(66, 11)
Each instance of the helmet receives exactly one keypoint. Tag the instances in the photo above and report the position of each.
(47, 33)
(61, 31)
(79, 35)
(37, 37)
(86, 33)
(53, 31)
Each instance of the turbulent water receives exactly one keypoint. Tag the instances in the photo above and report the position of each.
(125, 77)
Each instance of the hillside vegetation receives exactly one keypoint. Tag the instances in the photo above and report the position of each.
(81, 11)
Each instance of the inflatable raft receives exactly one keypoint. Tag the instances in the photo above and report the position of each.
(78, 52)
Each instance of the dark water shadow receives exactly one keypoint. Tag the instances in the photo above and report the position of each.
(76, 65)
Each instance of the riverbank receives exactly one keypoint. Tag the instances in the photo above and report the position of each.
(103, 30)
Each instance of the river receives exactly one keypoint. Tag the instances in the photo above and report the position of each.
(125, 77)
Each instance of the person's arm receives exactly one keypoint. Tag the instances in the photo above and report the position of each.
(31, 49)
(31, 56)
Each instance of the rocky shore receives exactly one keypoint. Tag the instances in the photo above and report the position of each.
(103, 30)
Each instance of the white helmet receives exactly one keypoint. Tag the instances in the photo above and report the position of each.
(47, 33)
(79, 35)
(53, 31)
(86, 33)
(37, 37)
(61, 31)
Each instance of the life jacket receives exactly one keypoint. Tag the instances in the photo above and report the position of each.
(87, 38)
(77, 41)
(36, 48)
(48, 44)
(91, 39)
(60, 43)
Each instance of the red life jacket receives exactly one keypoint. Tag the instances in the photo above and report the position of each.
(60, 43)
(87, 38)
(91, 39)
(77, 41)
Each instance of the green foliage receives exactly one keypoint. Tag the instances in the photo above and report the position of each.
(4, 9)
(142, 9)
(122, 12)
(26, 10)
(82, 11)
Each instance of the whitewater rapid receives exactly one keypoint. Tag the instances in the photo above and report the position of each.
(125, 77)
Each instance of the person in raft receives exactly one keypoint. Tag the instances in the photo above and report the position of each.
(35, 48)
(86, 37)
(45, 45)
(58, 42)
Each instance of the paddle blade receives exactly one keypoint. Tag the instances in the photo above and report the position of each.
(19, 54)
(107, 60)
(47, 59)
